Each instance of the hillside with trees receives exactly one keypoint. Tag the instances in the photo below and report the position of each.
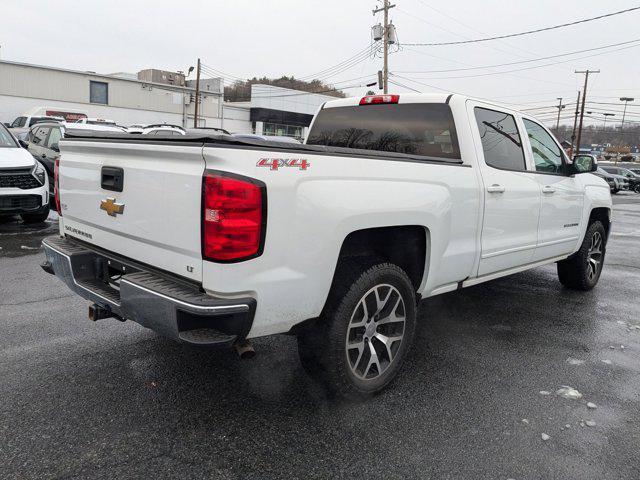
(595, 134)
(240, 90)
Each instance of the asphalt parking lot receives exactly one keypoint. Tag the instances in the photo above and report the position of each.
(113, 400)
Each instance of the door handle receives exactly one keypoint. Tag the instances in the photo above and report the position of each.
(495, 188)
(548, 189)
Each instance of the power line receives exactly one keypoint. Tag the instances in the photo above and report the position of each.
(220, 73)
(365, 53)
(528, 32)
(532, 67)
(404, 86)
(522, 61)
(463, 36)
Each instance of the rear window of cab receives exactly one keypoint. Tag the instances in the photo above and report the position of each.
(424, 129)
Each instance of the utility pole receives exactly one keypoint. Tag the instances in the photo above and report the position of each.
(195, 117)
(560, 107)
(584, 98)
(385, 39)
(575, 124)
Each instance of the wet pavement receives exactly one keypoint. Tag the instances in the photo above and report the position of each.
(477, 398)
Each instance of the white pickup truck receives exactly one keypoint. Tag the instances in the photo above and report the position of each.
(213, 240)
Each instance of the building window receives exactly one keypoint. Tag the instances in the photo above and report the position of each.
(282, 130)
(98, 92)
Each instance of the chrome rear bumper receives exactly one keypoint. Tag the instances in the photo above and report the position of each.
(164, 303)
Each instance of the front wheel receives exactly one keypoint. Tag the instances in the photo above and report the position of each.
(637, 188)
(35, 217)
(365, 331)
(582, 270)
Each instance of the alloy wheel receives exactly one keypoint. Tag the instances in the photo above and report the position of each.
(375, 332)
(594, 256)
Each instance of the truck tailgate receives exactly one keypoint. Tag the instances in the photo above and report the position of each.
(154, 219)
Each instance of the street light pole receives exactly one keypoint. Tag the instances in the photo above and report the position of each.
(605, 119)
(560, 107)
(626, 100)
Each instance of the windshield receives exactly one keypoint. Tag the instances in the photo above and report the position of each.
(412, 128)
(6, 139)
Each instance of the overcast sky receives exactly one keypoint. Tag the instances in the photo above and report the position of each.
(243, 38)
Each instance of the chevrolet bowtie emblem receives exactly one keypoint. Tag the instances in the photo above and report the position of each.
(111, 207)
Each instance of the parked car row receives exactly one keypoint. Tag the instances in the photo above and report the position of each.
(619, 178)
(632, 178)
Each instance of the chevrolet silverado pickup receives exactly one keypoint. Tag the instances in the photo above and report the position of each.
(213, 240)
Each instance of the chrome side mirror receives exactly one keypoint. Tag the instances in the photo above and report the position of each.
(584, 164)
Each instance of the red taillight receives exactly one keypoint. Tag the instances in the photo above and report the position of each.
(378, 99)
(56, 188)
(233, 217)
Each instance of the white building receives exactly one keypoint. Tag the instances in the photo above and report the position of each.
(127, 100)
(281, 111)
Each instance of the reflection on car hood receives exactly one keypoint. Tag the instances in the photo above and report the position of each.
(15, 158)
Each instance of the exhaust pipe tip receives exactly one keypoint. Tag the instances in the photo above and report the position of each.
(47, 267)
(96, 312)
(245, 350)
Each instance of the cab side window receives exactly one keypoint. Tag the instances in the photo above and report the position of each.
(547, 155)
(501, 141)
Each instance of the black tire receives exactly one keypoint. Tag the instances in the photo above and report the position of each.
(577, 272)
(35, 217)
(615, 191)
(637, 188)
(323, 347)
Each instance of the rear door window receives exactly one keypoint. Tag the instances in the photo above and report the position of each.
(423, 129)
(501, 142)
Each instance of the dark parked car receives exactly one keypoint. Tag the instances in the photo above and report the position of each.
(632, 178)
(609, 178)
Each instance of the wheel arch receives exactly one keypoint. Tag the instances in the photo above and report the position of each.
(603, 214)
(404, 245)
(407, 246)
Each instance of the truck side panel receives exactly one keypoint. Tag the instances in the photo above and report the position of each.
(312, 210)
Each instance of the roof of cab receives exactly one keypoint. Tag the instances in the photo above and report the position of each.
(445, 97)
(404, 98)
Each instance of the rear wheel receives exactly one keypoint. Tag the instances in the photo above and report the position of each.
(363, 336)
(582, 270)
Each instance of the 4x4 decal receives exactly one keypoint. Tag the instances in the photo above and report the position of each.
(278, 163)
